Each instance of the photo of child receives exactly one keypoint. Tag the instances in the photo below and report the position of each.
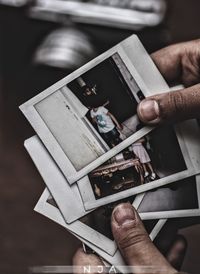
(144, 158)
(145, 161)
(111, 107)
(107, 124)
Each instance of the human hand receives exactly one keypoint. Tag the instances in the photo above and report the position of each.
(133, 242)
(178, 64)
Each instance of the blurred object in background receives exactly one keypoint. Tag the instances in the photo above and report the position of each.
(128, 14)
(102, 23)
(86, 28)
(15, 3)
(65, 48)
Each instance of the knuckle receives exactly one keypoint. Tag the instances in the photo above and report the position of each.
(131, 239)
(176, 104)
(178, 101)
(181, 104)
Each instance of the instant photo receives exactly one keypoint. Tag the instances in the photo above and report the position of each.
(52, 212)
(180, 199)
(157, 159)
(153, 204)
(145, 161)
(64, 194)
(98, 223)
(100, 220)
(110, 105)
(91, 115)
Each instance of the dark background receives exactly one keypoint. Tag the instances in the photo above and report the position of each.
(172, 195)
(110, 87)
(26, 238)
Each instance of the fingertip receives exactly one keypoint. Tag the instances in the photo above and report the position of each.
(123, 210)
(81, 258)
(128, 231)
(148, 111)
(124, 215)
(79, 254)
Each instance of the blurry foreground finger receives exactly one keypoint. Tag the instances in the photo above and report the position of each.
(89, 262)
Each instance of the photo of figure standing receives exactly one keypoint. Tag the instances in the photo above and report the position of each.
(107, 124)
(94, 109)
(143, 156)
(111, 95)
(144, 163)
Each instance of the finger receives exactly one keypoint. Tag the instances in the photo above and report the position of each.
(168, 61)
(180, 62)
(176, 253)
(134, 242)
(171, 107)
(91, 262)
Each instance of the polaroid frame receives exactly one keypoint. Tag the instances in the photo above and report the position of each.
(190, 149)
(92, 13)
(57, 185)
(56, 182)
(53, 213)
(180, 213)
(143, 71)
(64, 195)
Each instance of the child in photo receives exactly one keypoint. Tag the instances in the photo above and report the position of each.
(142, 154)
(107, 125)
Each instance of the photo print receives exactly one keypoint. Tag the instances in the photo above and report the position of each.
(153, 204)
(110, 105)
(155, 200)
(64, 194)
(50, 210)
(180, 199)
(144, 161)
(157, 159)
(91, 115)
(98, 222)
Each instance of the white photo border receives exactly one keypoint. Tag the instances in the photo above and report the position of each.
(190, 149)
(63, 194)
(53, 213)
(168, 214)
(147, 77)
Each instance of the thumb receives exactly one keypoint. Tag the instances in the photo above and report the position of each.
(171, 106)
(134, 243)
(82, 261)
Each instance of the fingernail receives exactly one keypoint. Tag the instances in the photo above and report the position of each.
(124, 214)
(148, 110)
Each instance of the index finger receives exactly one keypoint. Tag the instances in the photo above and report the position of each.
(179, 63)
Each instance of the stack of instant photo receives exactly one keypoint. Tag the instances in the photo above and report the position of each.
(94, 153)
